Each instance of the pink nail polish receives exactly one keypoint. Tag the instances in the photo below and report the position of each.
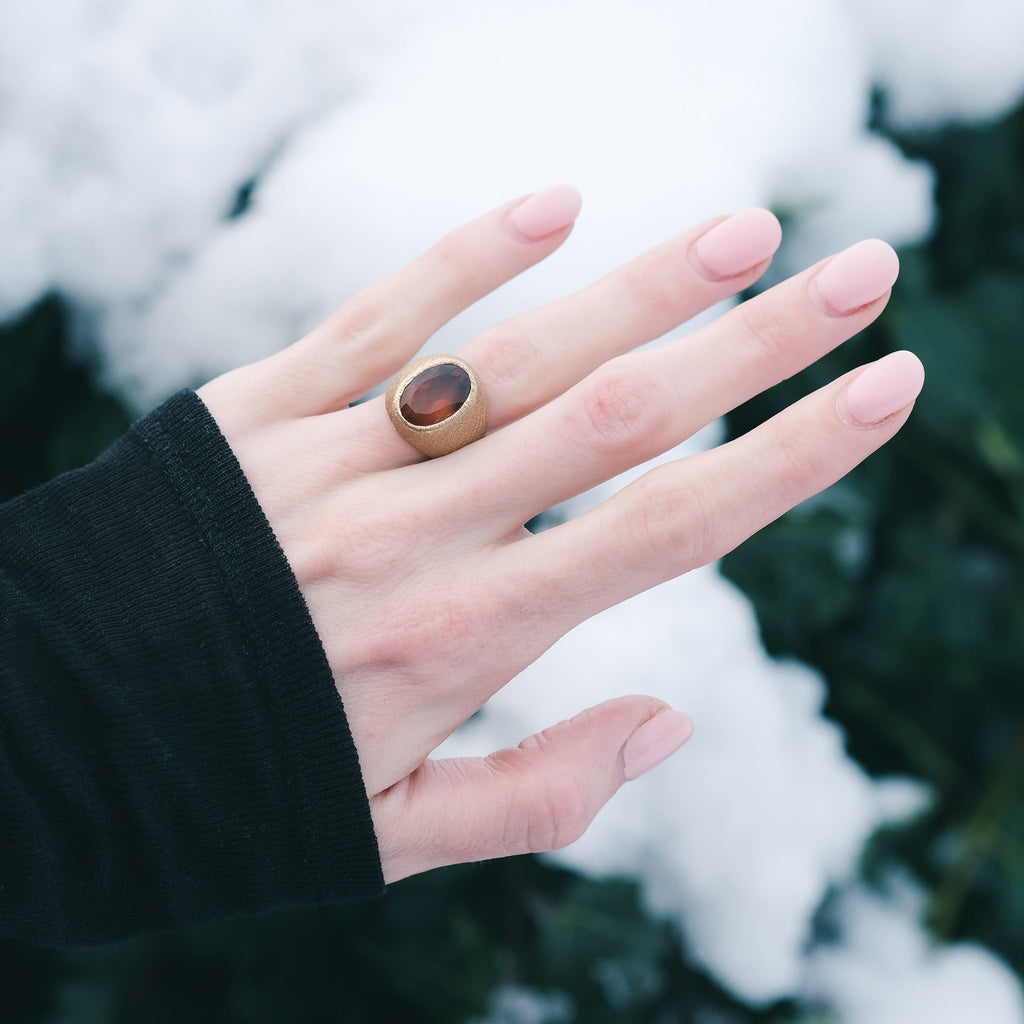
(658, 738)
(881, 389)
(855, 277)
(737, 244)
(546, 212)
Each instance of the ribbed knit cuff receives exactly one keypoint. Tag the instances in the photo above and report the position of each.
(336, 842)
(173, 749)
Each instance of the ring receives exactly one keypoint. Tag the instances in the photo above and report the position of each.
(437, 404)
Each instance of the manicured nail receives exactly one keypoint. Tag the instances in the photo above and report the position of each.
(655, 740)
(737, 244)
(546, 212)
(881, 389)
(855, 277)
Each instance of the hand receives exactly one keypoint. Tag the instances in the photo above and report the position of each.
(427, 592)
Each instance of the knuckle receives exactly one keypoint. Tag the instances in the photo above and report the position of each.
(799, 458)
(650, 287)
(617, 408)
(671, 521)
(770, 335)
(509, 357)
(451, 263)
(554, 804)
(360, 321)
(560, 816)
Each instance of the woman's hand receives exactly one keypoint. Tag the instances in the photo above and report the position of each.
(427, 592)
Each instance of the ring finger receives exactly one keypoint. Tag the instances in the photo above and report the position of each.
(531, 358)
(642, 404)
(528, 360)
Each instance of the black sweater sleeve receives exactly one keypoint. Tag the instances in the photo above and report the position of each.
(172, 746)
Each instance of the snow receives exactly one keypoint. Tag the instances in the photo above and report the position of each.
(127, 129)
(944, 60)
(516, 1004)
(741, 835)
(883, 970)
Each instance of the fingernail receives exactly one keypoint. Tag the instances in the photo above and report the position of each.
(546, 212)
(737, 244)
(881, 389)
(855, 277)
(655, 740)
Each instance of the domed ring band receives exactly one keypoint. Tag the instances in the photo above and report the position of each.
(437, 404)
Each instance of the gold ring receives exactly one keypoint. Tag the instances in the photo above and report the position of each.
(437, 404)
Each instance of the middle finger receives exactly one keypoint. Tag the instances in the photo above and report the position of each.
(639, 405)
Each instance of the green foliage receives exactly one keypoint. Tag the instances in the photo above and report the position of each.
(53, 417)
(904, 584)
(433, 951)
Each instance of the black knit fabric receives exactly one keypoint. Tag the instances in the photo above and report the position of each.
(172, 746)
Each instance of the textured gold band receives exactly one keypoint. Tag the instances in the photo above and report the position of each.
(451, 386)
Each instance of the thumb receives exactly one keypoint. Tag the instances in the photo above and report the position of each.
(538, 796)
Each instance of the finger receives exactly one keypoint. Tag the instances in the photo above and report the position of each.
(528, 360)
(684, 514)
(381, 328)
(642, 404)
(540, 796)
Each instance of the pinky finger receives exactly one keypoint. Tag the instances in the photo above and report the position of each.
(383, 327)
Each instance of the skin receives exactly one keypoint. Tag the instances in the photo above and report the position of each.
(426, 591)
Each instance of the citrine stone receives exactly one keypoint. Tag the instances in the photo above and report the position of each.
(435, 394)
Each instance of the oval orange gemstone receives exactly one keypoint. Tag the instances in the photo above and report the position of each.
(435, 394)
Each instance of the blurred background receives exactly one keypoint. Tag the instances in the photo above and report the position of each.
(187, 188)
